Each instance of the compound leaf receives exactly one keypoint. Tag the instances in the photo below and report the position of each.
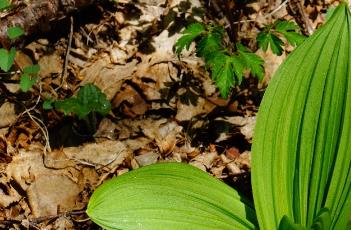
(251, 61)
(192, 32)
(284, 26)
(288, 30)
(209, 44)
(267, 39)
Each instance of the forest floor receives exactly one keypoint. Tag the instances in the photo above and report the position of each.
(164, 107)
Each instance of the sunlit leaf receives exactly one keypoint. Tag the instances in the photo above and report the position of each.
(301, 149)
(193, 31)
(169, 196)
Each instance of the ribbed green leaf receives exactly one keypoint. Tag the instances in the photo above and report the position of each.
(302, 143)
(169, 196)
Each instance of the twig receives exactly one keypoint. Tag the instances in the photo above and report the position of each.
(69, 46)
(39, 122)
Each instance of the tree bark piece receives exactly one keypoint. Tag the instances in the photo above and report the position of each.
(36, 17)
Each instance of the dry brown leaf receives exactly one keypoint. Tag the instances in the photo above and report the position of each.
(50, 64)
(50, 194)
(187, 112)
(147, 158)
(109, 78)
(7, 114)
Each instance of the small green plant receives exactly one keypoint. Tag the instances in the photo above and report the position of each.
(29, 75)
(227, 67)
(272, 34)
(301, 169)
(89, 100)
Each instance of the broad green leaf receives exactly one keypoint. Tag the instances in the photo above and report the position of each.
(7, 58)
(330, 12)
(192, 32)
(301, 158)
(4, 4)
(169, 196)
(15, 32)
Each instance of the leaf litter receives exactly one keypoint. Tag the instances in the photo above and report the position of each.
(163, 109)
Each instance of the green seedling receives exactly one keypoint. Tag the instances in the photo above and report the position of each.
(29, 77)
(301, 161)
(15, 32)
(89, 101)
(227, 68)
(7, 58)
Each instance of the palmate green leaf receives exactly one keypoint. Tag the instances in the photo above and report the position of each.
(301, 148)
(224, 77)
(209, 44)
(267, 39)
(288, 30)
(251, 61)
(169, 196)
(192, 32)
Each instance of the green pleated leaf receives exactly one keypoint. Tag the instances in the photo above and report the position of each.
(302, 143)
(170, 196)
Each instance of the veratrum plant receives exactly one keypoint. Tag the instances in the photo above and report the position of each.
(302, 146)
(301, 169)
